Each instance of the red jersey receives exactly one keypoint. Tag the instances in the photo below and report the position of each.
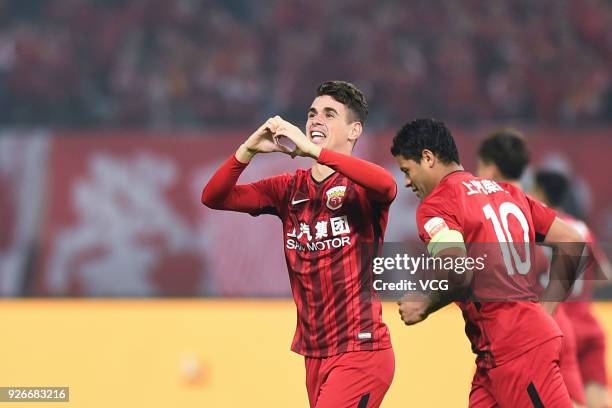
(578, 308)
(498, 222)
(332, 231)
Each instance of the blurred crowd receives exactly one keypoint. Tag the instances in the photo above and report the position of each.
(208, 63)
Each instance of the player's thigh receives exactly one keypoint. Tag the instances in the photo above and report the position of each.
(314, 378)
(532, 380)
(570, 371)
(359, 380)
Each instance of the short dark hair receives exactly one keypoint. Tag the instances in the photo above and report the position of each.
(420, 134)
(506, 149)
(348, 95)
(554, 185)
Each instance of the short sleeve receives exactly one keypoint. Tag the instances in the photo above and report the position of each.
(434, 215)
(542, 217)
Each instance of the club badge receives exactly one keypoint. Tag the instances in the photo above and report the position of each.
(335, 197)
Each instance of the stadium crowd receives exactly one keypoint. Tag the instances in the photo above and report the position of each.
(173, 63)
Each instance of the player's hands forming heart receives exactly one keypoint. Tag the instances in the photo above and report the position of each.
(269, 137)
(303, 146)
(263, 140)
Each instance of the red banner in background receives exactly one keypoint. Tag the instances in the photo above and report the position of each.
(123, 214)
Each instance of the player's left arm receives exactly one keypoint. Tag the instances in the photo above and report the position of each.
(442, 233)
(378, 182)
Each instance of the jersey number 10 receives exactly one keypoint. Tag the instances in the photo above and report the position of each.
(504, 237)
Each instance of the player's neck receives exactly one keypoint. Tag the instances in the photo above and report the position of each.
(448, 169)
(320, 172)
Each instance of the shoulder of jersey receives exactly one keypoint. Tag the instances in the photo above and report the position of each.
(448, 188)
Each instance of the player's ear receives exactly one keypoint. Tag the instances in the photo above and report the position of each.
(356, 130)
(428, 158)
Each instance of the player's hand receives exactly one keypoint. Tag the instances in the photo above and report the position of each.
(262, 141)
(303, 145)
(413, 308)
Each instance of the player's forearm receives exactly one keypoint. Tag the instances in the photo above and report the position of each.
(440, 299)
(221, 191)
(244, 154)
(457, 289)
(378, 181)
(568, 246)
(564, 269)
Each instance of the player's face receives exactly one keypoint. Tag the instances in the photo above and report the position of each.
(330, 123)
(417, 178)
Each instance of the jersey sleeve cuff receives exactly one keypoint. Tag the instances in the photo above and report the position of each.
(238, 163)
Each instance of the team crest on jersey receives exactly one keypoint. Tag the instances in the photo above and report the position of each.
(335, 197)
(435, 225)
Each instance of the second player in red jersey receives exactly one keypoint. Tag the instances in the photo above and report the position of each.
(503, 157)
(552, 187)
(334, 217)
(516, 341)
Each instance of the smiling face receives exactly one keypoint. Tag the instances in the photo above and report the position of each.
(419, 176)
(331, 124)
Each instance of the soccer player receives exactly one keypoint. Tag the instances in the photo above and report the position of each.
(517, 342)
(503, 157)
(551, 188)
(334, 217)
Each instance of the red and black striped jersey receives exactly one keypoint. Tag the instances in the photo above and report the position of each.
(332, 230)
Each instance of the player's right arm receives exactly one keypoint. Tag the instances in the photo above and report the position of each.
(603, 268)
(222, 193)
(567, 245)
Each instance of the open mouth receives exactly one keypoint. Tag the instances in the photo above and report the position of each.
(317, 136)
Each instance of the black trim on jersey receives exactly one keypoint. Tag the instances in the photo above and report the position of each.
(534, 396)
(363, 402)
(322, 181)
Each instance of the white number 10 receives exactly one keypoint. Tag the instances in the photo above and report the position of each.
(505, 238)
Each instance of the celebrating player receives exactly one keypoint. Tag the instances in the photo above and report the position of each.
(516, 342)
(334, 217)
(552, 187)
(503, 157)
